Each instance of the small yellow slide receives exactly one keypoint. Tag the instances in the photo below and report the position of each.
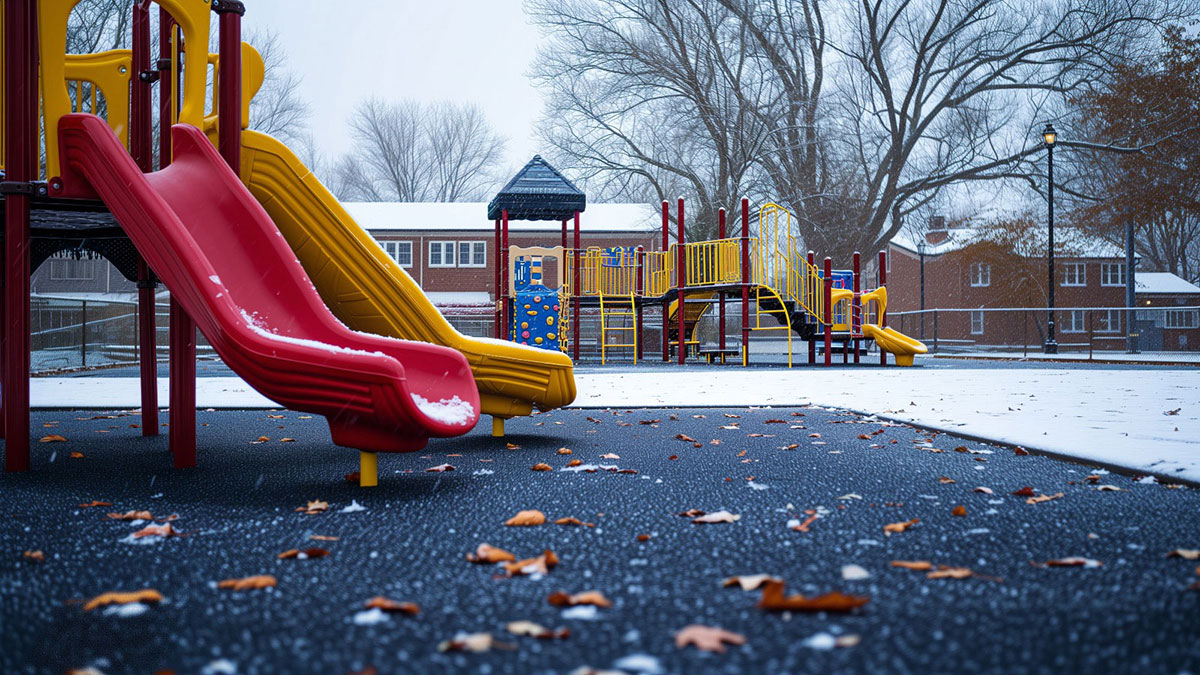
(889, 339)
(369, 292)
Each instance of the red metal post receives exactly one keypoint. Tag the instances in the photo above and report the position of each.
(229, 98)
(640, 291)
(827, 289)
(812, 343)
(148, 351)
(140, 123)
(746, 278)
(21, 166)
(856, 309)
(575, 305)
(666, 306)
(721, 302)
(506, 305)
(680, 284)
(882, 314)
(166, 85)
(564, 234)
(499, 291)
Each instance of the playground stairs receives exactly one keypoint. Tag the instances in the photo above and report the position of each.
(618, 318)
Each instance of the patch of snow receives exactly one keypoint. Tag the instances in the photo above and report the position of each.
(756, 486)
(214, 278)
(644, 664)
(219, 667)
(447, 411)
(855, 573)
(127, 610)
(482, 472)
(370, 617)
(589, 467)
(585, 612)
(820, 641)
(354, 507)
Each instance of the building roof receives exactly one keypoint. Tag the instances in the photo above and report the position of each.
(454, 216)
(1069, 242)
(1163, 283)
(537, 192)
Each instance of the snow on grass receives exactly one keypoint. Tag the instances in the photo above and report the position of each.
(447, 410)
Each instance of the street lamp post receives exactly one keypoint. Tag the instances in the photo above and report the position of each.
(921, 255)
(1049, 137)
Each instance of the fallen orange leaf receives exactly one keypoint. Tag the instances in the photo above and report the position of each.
(1186, 554)
(610, 455)
(537, 630)
(164, 530)
(707, 638)
(34, 556)
(685, 437)
(575, 462)
(773, 599)
(526, 518)
(76, 455)
(389, 605)
(542, 467)
(314, 507)
(52, 438)
(946, 480)
(564, 451)
(132, 515)
(749, 582)
(248, 583)
(564, 599)
(322, 537)
(486, 553)
(94, 503)
(900, 527)
(146, 595)
(306, 554)
(1044, 498)
(959, 510)
(568, 521)
(538, 565)
(919, 565)
(1073, 561)
(1023, 492)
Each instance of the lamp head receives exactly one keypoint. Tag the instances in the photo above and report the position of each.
(1049, 136)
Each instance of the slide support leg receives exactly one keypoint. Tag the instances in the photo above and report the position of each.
(368, 469)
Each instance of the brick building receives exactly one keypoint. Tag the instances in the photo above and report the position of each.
(1174, 327)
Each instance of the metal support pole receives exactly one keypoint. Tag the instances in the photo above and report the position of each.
(721, 302)
(666, 305)
(812, 342)
(746, 279)
(1051, 346)
(182, 415)
(882, 274)
(229, 96)
(140, 122)
(574, 305)
(497, 330)
(680, 284)
(148, 351)
(83, 334)
(921, 254)
(167, 83)
(564, 233)
(856, 309)
(640, 291)
(21, 166)
(1131, 329)
(506, 304)
(827, 290)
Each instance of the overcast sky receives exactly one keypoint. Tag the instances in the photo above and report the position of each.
(475, 51)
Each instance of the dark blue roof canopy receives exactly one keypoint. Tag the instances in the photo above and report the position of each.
(538, 192)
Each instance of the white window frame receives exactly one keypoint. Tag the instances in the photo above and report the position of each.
(476, 253)
(981, 274)
(394, 249)
(1181, 319)
(1080, 275)
(65, 267)
(1073, 321)
(442, 247)
(1108, 321)
(977, 318)
(1109, 270)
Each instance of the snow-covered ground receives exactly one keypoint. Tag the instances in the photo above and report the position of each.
(1121, 357)
(1146, 420)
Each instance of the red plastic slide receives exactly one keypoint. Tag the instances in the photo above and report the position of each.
(225, 262)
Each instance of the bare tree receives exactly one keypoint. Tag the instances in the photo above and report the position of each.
(277, 109)
(405, 151)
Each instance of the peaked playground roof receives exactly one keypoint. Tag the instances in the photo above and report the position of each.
(537, 192)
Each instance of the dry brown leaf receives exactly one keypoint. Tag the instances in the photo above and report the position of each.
(486, 553)
(1044, 498)
(1073, 561)
(564, 599)
(164, 530)
(314, 507)
(1185, 553)
(248, 583)
(643, 537)
(323, 537)
(717, 517)
(287, 440)
(34, 556)
(685, 437)
(306, 554)
(536, 630)
(388, 605)
(260, 439)
(76, 455)
(575, 462)
(145, 596)
(803, 527)
(439, 468)
(984, 490)
(707, 638)
(919, 565)
(541, 467)
(948, 572)
(570, 520)
(132, 515)
(959, 510)
(473, 642)
(773, 599)
(1108, 488)
(749, 582)
(526, 518)
(538, 565)
(610, 455)
(946, 479)
(94, 504)
(353, 477)
(1023, 492)
(1020, 451)
(512, 446)
(52, 438)
(864, 437)
(900, 527)
(691, 513)
(564, 451)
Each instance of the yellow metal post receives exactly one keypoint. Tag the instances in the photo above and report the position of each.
(497, 426)
(368, 469)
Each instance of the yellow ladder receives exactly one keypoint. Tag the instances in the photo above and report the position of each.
(618, 307)
(780, 315)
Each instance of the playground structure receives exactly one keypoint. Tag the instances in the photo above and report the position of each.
(779, 289)
(255, 251)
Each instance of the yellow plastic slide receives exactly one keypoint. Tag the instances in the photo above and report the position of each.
(889, 339)
(371, 293)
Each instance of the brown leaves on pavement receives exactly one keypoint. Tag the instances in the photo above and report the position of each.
(959, 510)
(564, 599)
(983, 490)
(1072, 561)
(564, 451)
(538, 565)
(891, 528)
(1023, 492)
(52, 438)
(146, 596)
(690, 513)
(392, 606)
(248, 583)
(486, 553)
(773, 599)
(707, 638)
(531, 629)
(473, 642)
(132, 515)
(314, 507)
(526, 518)
(542, 466)
(571, 520)
(749, 582)
(1186, 554)
(165, 530)
(306, 554)
(94, 504)
(33, 556)
(685, 438)
(1044, 498)
(919, 565)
